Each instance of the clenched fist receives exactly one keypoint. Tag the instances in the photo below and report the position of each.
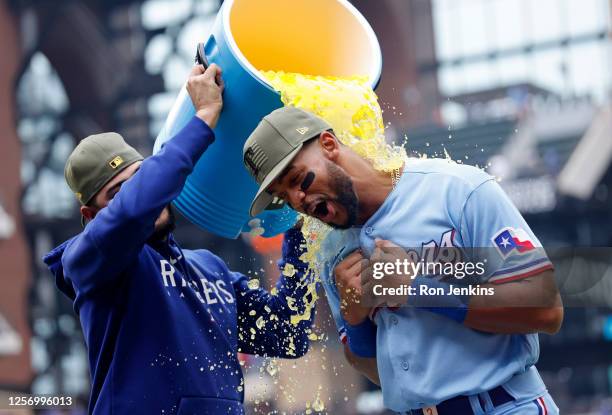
(397, 275)
(348, 282)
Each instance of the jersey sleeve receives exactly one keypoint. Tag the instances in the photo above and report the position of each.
(494, 228)
(114, 238)
(277, 325)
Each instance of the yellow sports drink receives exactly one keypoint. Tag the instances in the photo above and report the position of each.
(351, 107)
(314, 37)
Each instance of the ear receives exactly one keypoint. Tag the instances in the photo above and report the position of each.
(330, 145)
(88, 212)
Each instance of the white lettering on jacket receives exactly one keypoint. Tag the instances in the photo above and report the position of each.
(214, 291)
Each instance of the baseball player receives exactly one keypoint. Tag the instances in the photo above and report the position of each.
(163, 325)
(466, 355)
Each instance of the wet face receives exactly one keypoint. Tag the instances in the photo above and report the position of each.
(164, 224)
(315, 185)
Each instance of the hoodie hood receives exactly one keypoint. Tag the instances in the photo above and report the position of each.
(53, 260)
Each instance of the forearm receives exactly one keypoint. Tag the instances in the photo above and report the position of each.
(159, 180)
(118, 231)
(525, 306)
(267, 335)
(365, 365)
(282, 320)
(295, 288)
(515, 320)
(270, 326)
(125, 224)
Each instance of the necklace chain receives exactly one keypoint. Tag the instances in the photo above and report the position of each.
(395, 177)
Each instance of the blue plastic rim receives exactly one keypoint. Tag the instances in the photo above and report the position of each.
(218, 193)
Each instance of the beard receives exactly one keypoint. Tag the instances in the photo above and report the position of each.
(163, 225)
(342, 185)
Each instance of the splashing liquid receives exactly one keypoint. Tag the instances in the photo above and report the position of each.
(351, 107)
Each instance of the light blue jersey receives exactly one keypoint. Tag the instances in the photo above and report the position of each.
(425, 358)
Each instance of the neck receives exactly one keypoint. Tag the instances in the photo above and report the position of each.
(371, 186)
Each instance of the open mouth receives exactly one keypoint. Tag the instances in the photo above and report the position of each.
(322, 210)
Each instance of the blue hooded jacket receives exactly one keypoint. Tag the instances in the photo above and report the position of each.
(163, 326)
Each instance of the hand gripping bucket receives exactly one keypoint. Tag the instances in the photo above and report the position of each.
(312, 37)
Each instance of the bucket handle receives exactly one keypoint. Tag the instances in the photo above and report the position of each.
(210, 49)
(203, 49)
(200, 57)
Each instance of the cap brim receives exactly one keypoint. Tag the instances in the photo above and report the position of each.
(263, 199)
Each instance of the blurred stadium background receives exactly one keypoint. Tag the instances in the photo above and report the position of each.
(520, 87)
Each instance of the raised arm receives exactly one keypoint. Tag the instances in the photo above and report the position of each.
(278, 324)
(118, 231)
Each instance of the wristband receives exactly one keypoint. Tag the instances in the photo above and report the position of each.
(362, 338)
(453, 306)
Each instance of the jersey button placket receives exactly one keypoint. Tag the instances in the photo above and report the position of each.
(369, 230)
(405, 365)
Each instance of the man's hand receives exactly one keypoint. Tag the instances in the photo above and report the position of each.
(386, 252)
(205, 89)
(348, 283)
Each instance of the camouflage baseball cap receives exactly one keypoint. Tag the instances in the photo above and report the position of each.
(95, 161)
(273, 144)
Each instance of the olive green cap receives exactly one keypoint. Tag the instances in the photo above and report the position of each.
(273, 144)
(95, 161)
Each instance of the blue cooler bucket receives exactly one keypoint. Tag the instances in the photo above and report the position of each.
(312, 37)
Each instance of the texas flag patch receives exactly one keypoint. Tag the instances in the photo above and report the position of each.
(510, 240)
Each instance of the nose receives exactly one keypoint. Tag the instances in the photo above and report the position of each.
(296, 198)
